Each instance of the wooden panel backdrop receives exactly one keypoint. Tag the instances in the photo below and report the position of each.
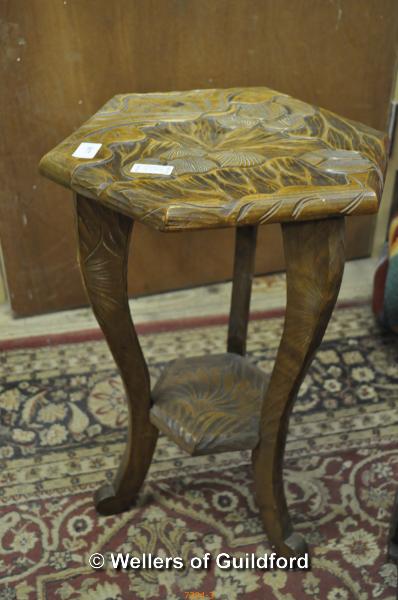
(62, 59)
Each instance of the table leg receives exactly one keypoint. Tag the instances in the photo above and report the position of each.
(245, 251)
(103, 240)
(314, 254)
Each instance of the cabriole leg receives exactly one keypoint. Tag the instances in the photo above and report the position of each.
(103, 241)
(314, 254)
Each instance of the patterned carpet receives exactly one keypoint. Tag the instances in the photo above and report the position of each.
(62, 428)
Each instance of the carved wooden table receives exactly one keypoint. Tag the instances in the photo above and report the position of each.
(207, 159)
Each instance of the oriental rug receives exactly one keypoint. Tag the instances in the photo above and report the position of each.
(63, 425)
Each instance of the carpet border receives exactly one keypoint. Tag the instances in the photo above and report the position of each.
(95, 334)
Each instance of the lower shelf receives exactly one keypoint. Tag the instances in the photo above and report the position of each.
(210, 404)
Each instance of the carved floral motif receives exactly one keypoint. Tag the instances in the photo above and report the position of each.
(240, 157)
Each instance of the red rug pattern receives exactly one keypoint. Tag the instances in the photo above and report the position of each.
(62, 424)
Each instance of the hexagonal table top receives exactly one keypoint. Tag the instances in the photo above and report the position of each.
(218, 158)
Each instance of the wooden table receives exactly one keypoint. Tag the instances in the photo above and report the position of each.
(210, 159)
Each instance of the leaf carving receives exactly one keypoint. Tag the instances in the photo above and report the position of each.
(193, 165)
(236, 158)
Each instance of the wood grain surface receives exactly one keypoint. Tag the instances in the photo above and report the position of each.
(210, 404)
(103, 242)
(62, 60)
(244, 260)
(315, 256)
(242, 156)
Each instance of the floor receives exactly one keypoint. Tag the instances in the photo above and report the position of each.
(64, 430)
(268, 294)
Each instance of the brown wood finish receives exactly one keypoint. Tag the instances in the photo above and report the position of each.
(238, 156)
(210, 404)
(63, 60)
(103, 241)
(245, 250)
(314, 253)
(303, 163)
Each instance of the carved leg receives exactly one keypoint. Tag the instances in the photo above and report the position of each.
(314, 253)
(103, 239)
(245, 250)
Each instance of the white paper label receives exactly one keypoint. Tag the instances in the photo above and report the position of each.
(152, 169)
(86, 150)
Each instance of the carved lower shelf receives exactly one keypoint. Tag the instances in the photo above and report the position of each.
(210, 404)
